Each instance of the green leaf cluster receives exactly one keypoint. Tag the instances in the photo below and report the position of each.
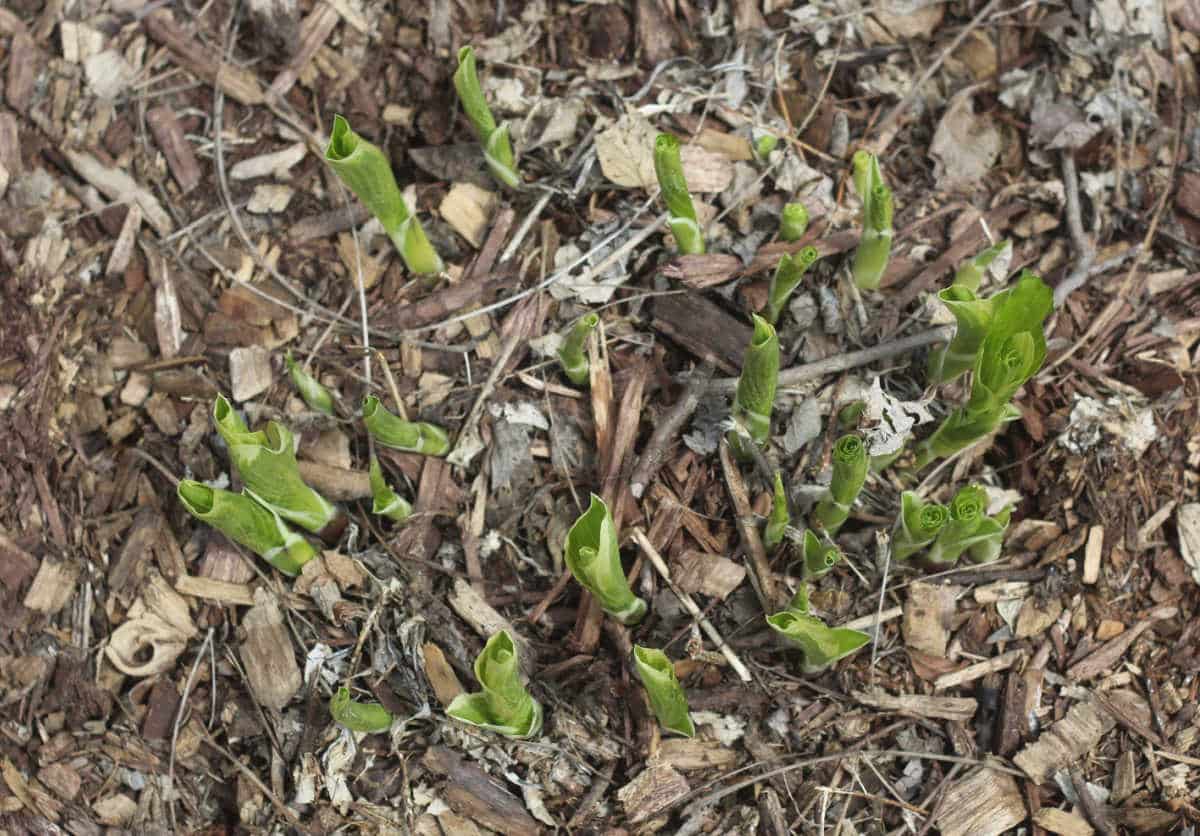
(821, 644)
(917, 525)
(504, 705)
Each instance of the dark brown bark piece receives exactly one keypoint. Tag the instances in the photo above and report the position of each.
(703, 328)
(472, 793)
(168, 134)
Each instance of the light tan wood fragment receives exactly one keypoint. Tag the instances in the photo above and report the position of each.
(53, 586)
(708, 574)
(1124, 777)
(1062, 822)
(117, 185)
(1065, 742)
(486, 621)
(921, 705)
(468, 209)
(986, 803)
(696, 753)
(267, 653)
(1092, 553)
(441, 676)
(654, 789)
(1106, 657)
(927, 614)
(980, 669)
(239, 84)
(214, 590)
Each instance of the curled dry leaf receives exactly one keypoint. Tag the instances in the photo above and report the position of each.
(158, 622)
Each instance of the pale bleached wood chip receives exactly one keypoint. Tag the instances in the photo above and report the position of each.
(117, 185)
(1064, 742)
(986, 803)
(920, 705)
(927, 615)
(468, 209)
(276, 163)
(52, 586)
(213, 590)
(267, 653)
(250, 372)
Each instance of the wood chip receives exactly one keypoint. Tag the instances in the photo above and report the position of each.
(214, 590)
(1065, 742)
(473, 793)
(1124, 777)
(984, 804)
(1110, 653)
(315, 30)
(169, 136)
(156, 630)
(1062, 822)
(706, 330)
(441, 676)
(469, 209)
(920, 705)
(1036, 616)
(707, 574)
(267, 653)
(17, 566)
(1092, 553)
(275, 164)
(239, 84)
(53, 586)
(927, 615)
(980, 669)
(122, 251)
(108, 74)
(730, 146)
(654, 789)
(250, 372)
(696, 753)
(25, 62)
(703, 271)
(486, 621)
(269, 198)
(117, 185)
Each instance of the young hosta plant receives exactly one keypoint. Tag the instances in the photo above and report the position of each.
(370, 717)
(787, 276)
(818, 557)
(666, 694)
(755, 398)
(497, 147)
(1012, 351)
(822, 645)
(314, 394)
(875, 246)
(385, 501)
(917, 526)
(365, 170)
(247, 523)
(669, 168)
(266, 460)
(593, 557)
(989, 538)
(850, 465)
(571, 355)
(968, 510)
(504, 705)
(780, 518)
(793, 222)
(411, 436)
(970, 273)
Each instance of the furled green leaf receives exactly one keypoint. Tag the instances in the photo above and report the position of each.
(385, 501)
(411, 436)
(918, 525)
(669, 168)
(970, 273)
(571, 355)
(358, 716)
(787, 276)
(244, 521)
(793, 222)
(818, 557)
(504, 705)
(972, 317)
(666, 694)
(780, 518)
(850, 465)
(314, 394)
(497, 148)
(989, 538)
(755, 398)
(968, 510)
(822, 645)
(592, 555)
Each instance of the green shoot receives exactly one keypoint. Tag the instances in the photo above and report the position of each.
(989, 538)
(793, 222)
(875, 246)
(850, 465)
(385, 501)
(666, 694)
(504, 705)
(968, 510)
(755, 396)
(365, 170)
(683, 223)
(267, 463)
(818, 558)
(970, 273)
(247, 523)
(764, 143)
(367, 717)
(787, 276)
(917, 526)
(411, 436)
(780, 518)
(314, 394)
(571, 355)
(822, 645)
(972, 316)
(497, 148)
(593, 557)
(1012, 351)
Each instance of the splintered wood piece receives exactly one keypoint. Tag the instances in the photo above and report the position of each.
(708, 574)
(315, 30)
(52, 587)
(1124, 777)
(614, 489)
(1108, 654)
(1092, 553)
(980, 669)
(24, 66)
(927, 614)
(696, 753)
(703, 328)
(760, 568)
(473, 793)
(703, 271)
(117, 185)
(1064, 742)
(984, 804)
(169, 136)
(239, 84)
(654, 789)
(919, 705)
(471, 607)
(441, 676)
(212, 590)
(122, 251)
(267, 653)
(1062, 822)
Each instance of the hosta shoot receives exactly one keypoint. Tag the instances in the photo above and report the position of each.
(682, 213)
(666, 694)
(989, 538)
(793, 222)
(850, 465)
(247, 523)
(311, 390)
(780, 518)
(369, 717)
(819, 558)
(875, 246)
(970, 273)
(504, 705)
(755, 397)
(787, 276)
(968, 510)
(497, 147)
(972, 316)
(266, 460)
(917, 526)
(384, 501)
(822, 645)
(366, 171)
(411, 436)
(572, 355)
(593, 557)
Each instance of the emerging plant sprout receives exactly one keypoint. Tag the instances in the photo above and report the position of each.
(780, 518)
(989, 538)
(314, 394)
(818, 557)
(571, 355)
(850, 465)
(593, 557)
(755, 396)
(917, 526)
(1012, 351)
(793, 222)
(497, 147)
(764, 143)
(247, 523)
(411, 436)
(370, 717)
(683, 223)
(972, 316)
(385, 501)
(968, 510)
(970, 273)
(266, 460)
(666, 694)
(504, 705)
(822, 645)
(875, 246)
(787, 276)
(365, 170)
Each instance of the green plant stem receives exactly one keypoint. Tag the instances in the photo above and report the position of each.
(780, 518)
(311, 390)
(497, 147)
(385, 501)
(755, 398)
(787, 276)
(669, 168)
(850, 465)
(793, 222)
(411, 436)
(572, 356)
